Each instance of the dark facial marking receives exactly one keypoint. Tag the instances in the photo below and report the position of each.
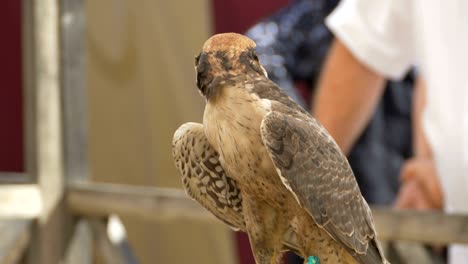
(250, 60)
(222, 65)
(203, 68)
(226, 63)
(197, 58)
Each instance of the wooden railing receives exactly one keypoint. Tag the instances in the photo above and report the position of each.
(100, 200)
(431, 227)
(93, 200)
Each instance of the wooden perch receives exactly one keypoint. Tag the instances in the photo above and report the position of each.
(99, 200)
(431, 227)
(150, 203)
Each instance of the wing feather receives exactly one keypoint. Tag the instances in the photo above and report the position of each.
(203, 177)
(205, 180)
(320, 177)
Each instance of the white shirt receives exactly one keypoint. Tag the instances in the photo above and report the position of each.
(390, 36)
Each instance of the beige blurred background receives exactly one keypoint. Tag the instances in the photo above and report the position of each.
(140, 82)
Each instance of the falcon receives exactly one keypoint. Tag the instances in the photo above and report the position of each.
(263, 165)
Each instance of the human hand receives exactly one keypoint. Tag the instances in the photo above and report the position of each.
(420, 185)
(411, 196)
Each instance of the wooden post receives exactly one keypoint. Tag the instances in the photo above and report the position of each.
(106, 251)
(75, 122)
(43, 126)
(79, 250)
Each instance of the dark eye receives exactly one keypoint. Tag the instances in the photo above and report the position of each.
(255, 57)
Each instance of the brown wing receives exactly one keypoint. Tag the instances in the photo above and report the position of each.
(314, 169)
(205, 180)
(203, 177)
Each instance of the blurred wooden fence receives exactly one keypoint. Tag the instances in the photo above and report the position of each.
(162, 204)
(95, 202)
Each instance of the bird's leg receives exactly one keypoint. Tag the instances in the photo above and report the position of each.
(318, 245)
(265, 232)
(315, 243)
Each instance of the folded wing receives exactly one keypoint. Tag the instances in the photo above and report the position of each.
(314, 169)
(203, 177)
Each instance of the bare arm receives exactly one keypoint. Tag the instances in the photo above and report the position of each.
(420, 145)
(347, 95)
(420, 183)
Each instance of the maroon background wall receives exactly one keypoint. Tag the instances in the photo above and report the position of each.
(238, 16)
(11, 109)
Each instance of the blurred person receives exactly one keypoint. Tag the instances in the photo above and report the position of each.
(383, 39)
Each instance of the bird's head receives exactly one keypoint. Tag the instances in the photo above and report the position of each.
(224, 56)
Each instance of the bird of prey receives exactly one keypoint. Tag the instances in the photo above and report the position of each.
(263, 165)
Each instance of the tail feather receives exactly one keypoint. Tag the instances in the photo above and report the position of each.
(374, 254)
